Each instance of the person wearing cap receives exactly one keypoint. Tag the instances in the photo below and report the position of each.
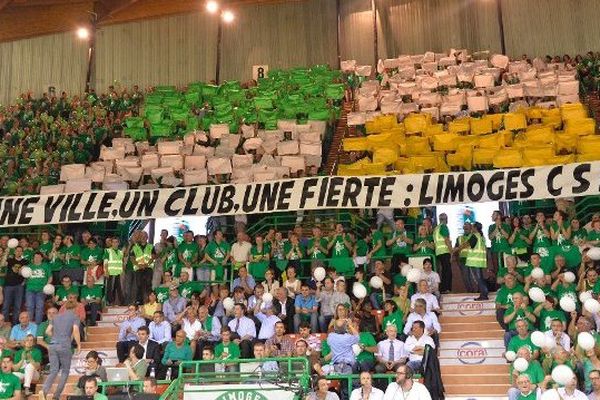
(443, 247)
(174, 306)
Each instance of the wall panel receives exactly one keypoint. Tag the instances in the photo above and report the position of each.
(357, 31)
(283, 35)
(174, 50)
(33, 64)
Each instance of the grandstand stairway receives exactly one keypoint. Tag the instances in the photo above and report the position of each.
(336, 141)
(471, 347)
(101, 338)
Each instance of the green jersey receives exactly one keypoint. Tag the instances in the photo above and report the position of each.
(69, 254)
(41, 331)
(547, 316)
(188, 252)
(94, 255)
(377, 238)
(314, 248)
(91, 293)
(534, 371)
(521, 315)
(46, 248)
(62, 292)
(9, 383)
(504, 295)
(217, 251)
(29, 355)
(339, 248)
(516, 342)
(395, 318)
(39, 277)
(400, 246)
(362, 248)
(499, 242)
(229, 351)
(162, 294)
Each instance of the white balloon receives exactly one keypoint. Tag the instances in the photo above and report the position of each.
(12, 243)
(537, 273)
(592, 306)
(594, 253)
(583, 296)
(536, 294)
(319, 274)
(376, 282)
(405, 269)
(359, 290)
(510, 355)
(48, 289)
(586, 341)
(537, 338)
(267, 298)
(562, 374)
(356, 349)
(551, 394)
(549, 343)
(520, 364)
(567, 304)
(228, 303)
(569, 277)
(414, 275)
(26, 272)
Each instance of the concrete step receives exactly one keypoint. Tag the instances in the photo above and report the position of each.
(70, 379)
(467, 397)
(104, 329)
(474, 390)
(474, 335)
(448, 319)
(474, 326)
(98, 344)
(473, 358)
(99, 337)
(459, 344)
(481, 379)
(116, 310)
(475, 369)
(461, 297)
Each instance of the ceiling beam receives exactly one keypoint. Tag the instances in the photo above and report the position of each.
(108, 8)
(4, 3)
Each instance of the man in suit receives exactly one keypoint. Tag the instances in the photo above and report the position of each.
(152, 350)
(284, 308)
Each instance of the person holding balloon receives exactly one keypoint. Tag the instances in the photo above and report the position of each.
(524, 364)
(516, 311)
(38, 279)
(13, 283)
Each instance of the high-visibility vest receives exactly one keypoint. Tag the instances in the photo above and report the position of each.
(439, 241)
(461, 240)
(477, 256)
(143, 256)
(114, 264)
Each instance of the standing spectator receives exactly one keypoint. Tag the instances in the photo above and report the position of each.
(92, 259)
(240, 251)
(159, 263)
(114, 267)
(443, 247)
(91, 298)
(324, 296)
(405, 388)
(70, 255)
(259, 261)
(13, 286)
(128, 332)
(188, 253)
(401, 245)
(62, 330)
(366, 389)
(34, 295)
(217, 253)
(415, 345)
(499, 233)
(43, 340)
(477, 260)
(432, 278)
(243, 330)
(160, 330)
(462, 257)
(143, 255)
(391, 352)
(306, 309)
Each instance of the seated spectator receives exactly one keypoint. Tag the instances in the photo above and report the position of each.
(526, 389)
(175, 352)
(516, 311)
(425, 294)
(264, 313)
(265, 366)
(20, 331)
(415, 345)
(393, 316)
(28, 364)
(227, 350)
(391, 353)
(255, 299)
(366, 389)
(534, 371)
(314, 341)
(128, 332)
(151, 348)
(5, 328)
(376, 296)
(570, 391)
(9, 382)
(160, 330)
(208, 354)
(243, 330)
(91, 298)
(284, 308)
(429, 319)
(63, 291)
(192, 328)
(150, 307)
(405, 384)
(279, 345)
(174, 306)
(557, 333)
(504, 297)
(321, 391)
(150, 388)
(270, 284)
(306, 309)
(432, 278)
(91, 389)
(210, 333)
(594, 377)
(340, 296)
(245, 281)
(93, 368)
(523, 339)
(136, 365)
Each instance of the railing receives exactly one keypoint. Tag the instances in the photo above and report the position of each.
(586, 207)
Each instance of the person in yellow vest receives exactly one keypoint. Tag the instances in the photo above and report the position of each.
(470, 286)
(443, 248)
(476, 258)
(142, 257)
(113, 265)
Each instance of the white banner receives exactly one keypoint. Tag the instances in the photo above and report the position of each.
(262, 391)
(329, 192)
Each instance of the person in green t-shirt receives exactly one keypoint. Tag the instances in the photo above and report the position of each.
(423, 244)
(377, 244)
(34, 293)
(10, 385)
(560, 229)
(27, 364)
(522, 339)
(62, 292)
(317, 246)
(578, 234)
(546, 313)
(70, 254)
(519, 239)
(260, 255)
(188, 253)
(393, 316)
(593, 236)
(499, 233)
(541, 238)
(525, 390)
(92, 256)
(54, 258)
(401, 245)
(519, 310)
(91, 298)
(227, 350)
(534, 370)
(46, 245)
(217, 253)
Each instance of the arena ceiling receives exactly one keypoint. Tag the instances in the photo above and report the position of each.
(27, 18)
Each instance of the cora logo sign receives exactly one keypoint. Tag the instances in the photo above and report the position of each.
(242, 395)
(469, 307)
(471, 353)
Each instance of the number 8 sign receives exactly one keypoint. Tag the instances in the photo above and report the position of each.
(259, 71)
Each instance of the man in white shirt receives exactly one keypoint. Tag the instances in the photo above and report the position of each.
(570, 392)
(432, 324)
(264, 313)
(390, 352)
(415, 345)
(366, 389)
(243, 330)
(240, 250)
(160, 330)
(405, 388)
(558, 334)
(425, 294)
(595, 379)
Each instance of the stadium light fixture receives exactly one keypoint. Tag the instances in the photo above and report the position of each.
(228, 16)
(83, 33)
(212, 6)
